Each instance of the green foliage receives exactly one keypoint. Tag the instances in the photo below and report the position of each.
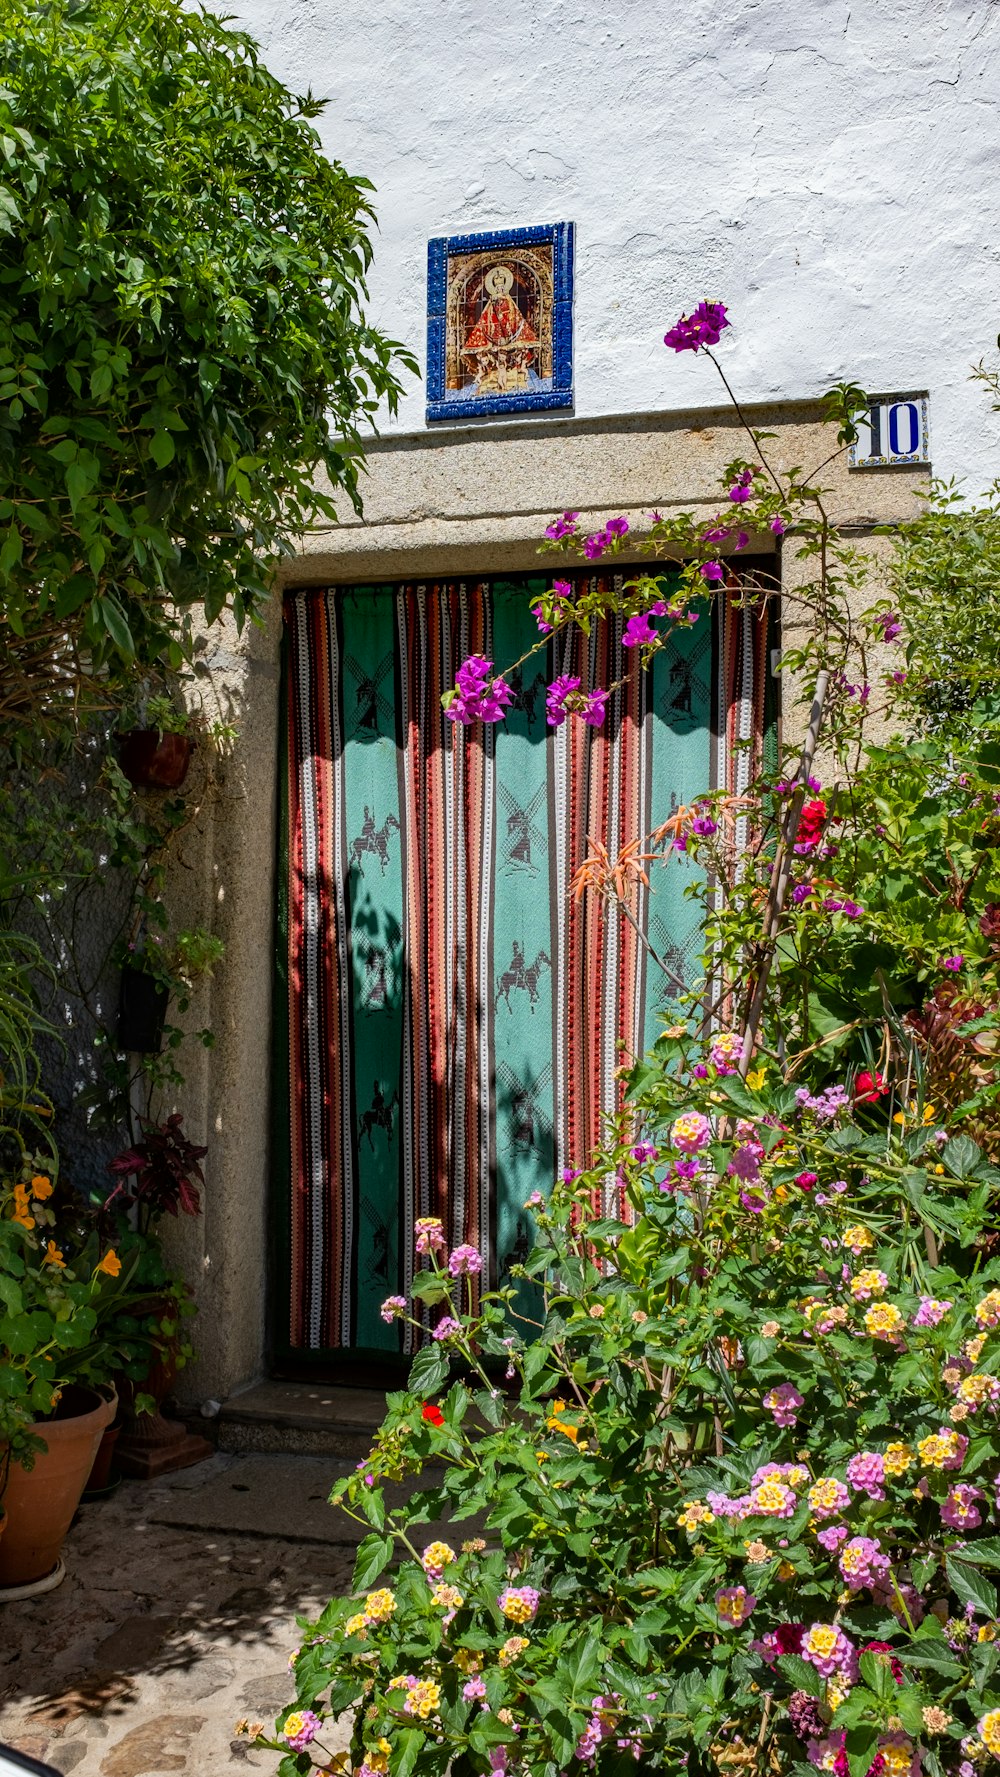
(646, 1582)
(183, 352)
(79, 1303)
(945, 584)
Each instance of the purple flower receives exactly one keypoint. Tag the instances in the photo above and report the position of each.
(595, 545)
(960, 1510)
(778, 526)
(863, 1562)
(783, 1402)
(544, 628)
(711, 570)
(645, 1150)
(617, 527)
(803, 1713)
(595, 707)
(832, 1535)
(703, 327)
(890, 625)
(562, 527)
(465, 1261)
(866, 1474)
(638, 630)
(555, 698)
(851, 910)
(473, 1689)
(742, 540)
(446, 1328)
(717, 535)
(392, 1308)
(931, 1312)
(745, 1163)
(801, 892)
(954, 963)
(656, 517)
(478, 694)
(704, 826)
(304, 1727)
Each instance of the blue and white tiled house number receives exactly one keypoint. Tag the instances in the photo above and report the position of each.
(895, 434)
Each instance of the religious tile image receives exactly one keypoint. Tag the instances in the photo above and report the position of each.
(499, 328)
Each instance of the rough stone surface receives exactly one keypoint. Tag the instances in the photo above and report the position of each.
(161, 1638)
(827, 170)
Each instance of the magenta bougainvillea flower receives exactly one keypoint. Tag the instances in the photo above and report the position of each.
(639, 630)
(562, 527)
(702, 327)
(479, 695)
(555, 698)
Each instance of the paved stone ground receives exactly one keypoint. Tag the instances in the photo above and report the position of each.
(163, 1634)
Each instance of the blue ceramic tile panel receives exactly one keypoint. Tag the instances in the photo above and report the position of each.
(500, 322)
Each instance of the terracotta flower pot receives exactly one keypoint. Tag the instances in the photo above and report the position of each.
(41, 1501)
(154, 760)
(99, 1478)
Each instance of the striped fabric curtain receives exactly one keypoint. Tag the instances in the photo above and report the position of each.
(456, 1019)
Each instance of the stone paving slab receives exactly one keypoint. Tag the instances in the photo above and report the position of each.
(177, 1617)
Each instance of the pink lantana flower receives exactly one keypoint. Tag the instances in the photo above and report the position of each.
(783, 1402)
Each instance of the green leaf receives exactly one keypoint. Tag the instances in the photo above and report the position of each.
(161, 449)
(970, 1586)
(800, 1674)
(862, 1742)
(962, 1156)
(113, 618)
(373, 1557)
(428, 1371)
(406, 1749)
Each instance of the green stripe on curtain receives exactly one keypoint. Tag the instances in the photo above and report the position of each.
(455, 1019)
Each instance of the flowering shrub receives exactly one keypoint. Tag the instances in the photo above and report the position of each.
(745, 1491)
(85, 1297)
(733, 1498)
(65, 1302)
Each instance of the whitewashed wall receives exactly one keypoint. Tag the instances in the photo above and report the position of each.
(830, 169)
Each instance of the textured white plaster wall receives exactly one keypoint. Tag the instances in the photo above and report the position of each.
(829, 168)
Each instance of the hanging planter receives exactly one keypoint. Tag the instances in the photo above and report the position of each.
(142, 1011)
(155, 759)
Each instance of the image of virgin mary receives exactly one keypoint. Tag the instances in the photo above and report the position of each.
(501, 346)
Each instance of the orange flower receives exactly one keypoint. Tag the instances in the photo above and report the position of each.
(614, 878)
(41, 1187)
(22, 1213)
(52, 1256)
(110, 1264)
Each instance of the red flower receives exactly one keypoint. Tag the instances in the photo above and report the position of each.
(806, 1180)
(432, 1414)
(789, 1637)
(883, 1647)
(869, 1088)
(811, 822)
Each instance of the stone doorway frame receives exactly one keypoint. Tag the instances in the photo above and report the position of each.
(468, 500)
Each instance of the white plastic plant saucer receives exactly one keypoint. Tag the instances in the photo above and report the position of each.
(35, 1588)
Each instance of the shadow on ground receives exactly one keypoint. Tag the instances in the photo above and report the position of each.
(177, 1617)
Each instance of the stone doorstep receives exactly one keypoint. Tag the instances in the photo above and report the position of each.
(302, 1419)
